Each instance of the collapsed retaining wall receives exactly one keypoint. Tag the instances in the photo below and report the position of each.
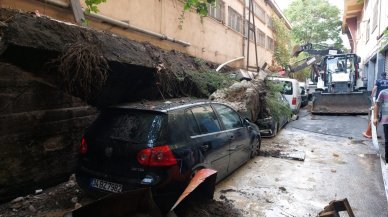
(41, 122)
(40, 127)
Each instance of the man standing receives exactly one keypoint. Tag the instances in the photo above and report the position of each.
(380, 85)
(382, 105)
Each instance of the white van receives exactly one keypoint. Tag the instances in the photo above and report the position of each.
(291, 91)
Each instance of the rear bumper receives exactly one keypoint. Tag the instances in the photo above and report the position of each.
(84, 177)
(267, 126)
(161, 183)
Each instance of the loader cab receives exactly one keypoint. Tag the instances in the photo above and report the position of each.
(340, 72)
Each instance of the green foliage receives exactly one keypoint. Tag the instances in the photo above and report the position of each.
(384, 40)
(209, 81)
(282, 42)
(200, 7)
(315, 21)
(276, 108)
(91, 5)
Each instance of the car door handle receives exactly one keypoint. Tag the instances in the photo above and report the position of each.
(232, 149)
(231, 138)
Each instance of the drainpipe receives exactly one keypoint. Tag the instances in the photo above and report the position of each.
(225, 63)
(121, 24)
(58, 3)
(243, 20)
(137, 29)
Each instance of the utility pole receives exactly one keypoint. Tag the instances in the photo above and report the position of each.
(251, 28)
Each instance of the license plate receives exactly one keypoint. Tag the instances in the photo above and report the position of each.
(107, 186)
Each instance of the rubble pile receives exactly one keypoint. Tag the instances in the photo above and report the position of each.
(246, 97)
(47, 202)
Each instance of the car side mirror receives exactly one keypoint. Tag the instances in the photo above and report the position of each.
(247, 122)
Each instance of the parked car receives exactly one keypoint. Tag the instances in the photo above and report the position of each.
(291, 91)
(162, 145)
(304, 93)
(269, 126)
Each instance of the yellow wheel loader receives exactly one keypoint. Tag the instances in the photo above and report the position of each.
(335, 76)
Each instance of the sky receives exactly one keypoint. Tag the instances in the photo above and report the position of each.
(284, 3)
(339, 3)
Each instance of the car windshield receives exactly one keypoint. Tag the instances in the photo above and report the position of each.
(127, 126)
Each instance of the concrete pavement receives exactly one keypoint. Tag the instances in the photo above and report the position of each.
(339, 164)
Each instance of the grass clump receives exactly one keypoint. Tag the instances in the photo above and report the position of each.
(208, 82)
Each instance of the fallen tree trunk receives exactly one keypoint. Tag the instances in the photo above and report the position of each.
(246, 97)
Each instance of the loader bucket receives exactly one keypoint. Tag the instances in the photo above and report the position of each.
(138, 202)
(353, 103)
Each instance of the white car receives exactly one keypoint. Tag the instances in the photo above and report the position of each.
(291, 92)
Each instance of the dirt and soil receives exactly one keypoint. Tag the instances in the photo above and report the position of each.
(56, 201)
(135, 70)
(44, 109)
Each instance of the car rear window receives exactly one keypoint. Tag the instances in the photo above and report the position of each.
(128, 126)
(287, 87)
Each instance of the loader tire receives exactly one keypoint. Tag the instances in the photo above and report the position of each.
(275, 129)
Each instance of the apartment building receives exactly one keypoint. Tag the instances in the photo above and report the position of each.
(219, 37)
(364, 22)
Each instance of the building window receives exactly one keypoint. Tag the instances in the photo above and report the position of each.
(251, 30)
(367, 31)
(234, 20)
(270, 44)
(217, 10)
(375, 15)
(259, 12)
(261, 38)
(270, 22)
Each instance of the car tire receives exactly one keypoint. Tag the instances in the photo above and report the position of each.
(275, 129)
(258, 145)
(255, 149)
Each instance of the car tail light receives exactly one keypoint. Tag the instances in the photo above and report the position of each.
(158, 156)
(293, 101)
(83, 148)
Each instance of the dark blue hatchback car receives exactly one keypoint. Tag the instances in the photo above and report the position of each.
(161, 145)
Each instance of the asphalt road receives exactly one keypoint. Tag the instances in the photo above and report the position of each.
(339, 163)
